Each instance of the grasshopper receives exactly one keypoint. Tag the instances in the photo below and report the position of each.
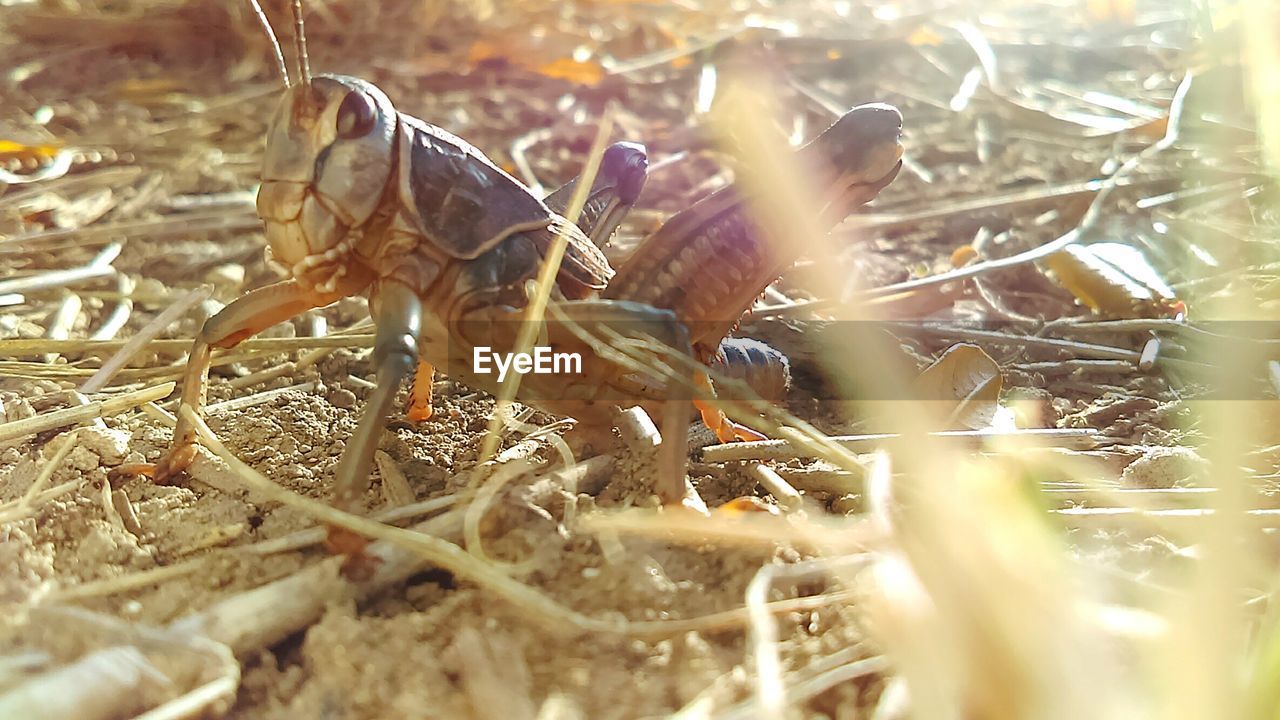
(359, 198)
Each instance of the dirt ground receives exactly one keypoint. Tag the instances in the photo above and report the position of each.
(165, 105)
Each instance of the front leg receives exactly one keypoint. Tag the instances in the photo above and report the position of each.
(244, 317)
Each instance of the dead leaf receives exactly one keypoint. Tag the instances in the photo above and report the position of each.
(1028, 113)
(923, 36)
(1123, 12)
(32, 163)
(1115, 280)
(1153, 129)
(149, 88)
(582, 73)
(966, 377)
(11, 148)
(963, 255)
(564, 68)
(746, 504)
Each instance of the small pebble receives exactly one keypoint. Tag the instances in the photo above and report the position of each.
(110, 445)
(1167, 467)
(848, 504)
(230, 275)
(342, 398)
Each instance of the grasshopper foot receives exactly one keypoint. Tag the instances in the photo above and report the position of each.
(419, 413)
(420, 393)
(726, 430)
(128, 470)
(174, 463)
(171, 467)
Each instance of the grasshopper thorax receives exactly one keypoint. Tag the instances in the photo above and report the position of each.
(329, 156)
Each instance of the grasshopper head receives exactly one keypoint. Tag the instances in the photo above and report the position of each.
(625, 164)
(861, 153)
(330, 152)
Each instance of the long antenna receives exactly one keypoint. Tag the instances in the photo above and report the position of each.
(275, 42)
(300, 38)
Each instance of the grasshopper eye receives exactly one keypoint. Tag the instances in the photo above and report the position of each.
(356, 115)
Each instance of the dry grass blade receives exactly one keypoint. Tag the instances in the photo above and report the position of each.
(20, 347)
(255, 399)
(504, 471)
(556, 618)
(535, 311)
(101, 685)
(126, 668)
(60, 322)
(300, 540)
(1075, 348)
(84, 413)
(99, 266)
(772, 695)
(29, 498)
(119, 315)
(805, 688)
(1054, 194)
(553, 616)
(100, 379)
(1179, 522)
(760, 530)
(238, 219)
(210, 697)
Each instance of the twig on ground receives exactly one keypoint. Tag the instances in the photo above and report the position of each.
(99, 266)
(785, 450)
(788, 498)
(75, 415)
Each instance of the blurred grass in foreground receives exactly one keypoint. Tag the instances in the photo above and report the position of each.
(982, 600)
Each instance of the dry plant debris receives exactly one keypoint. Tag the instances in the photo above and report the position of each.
(1075, 269)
